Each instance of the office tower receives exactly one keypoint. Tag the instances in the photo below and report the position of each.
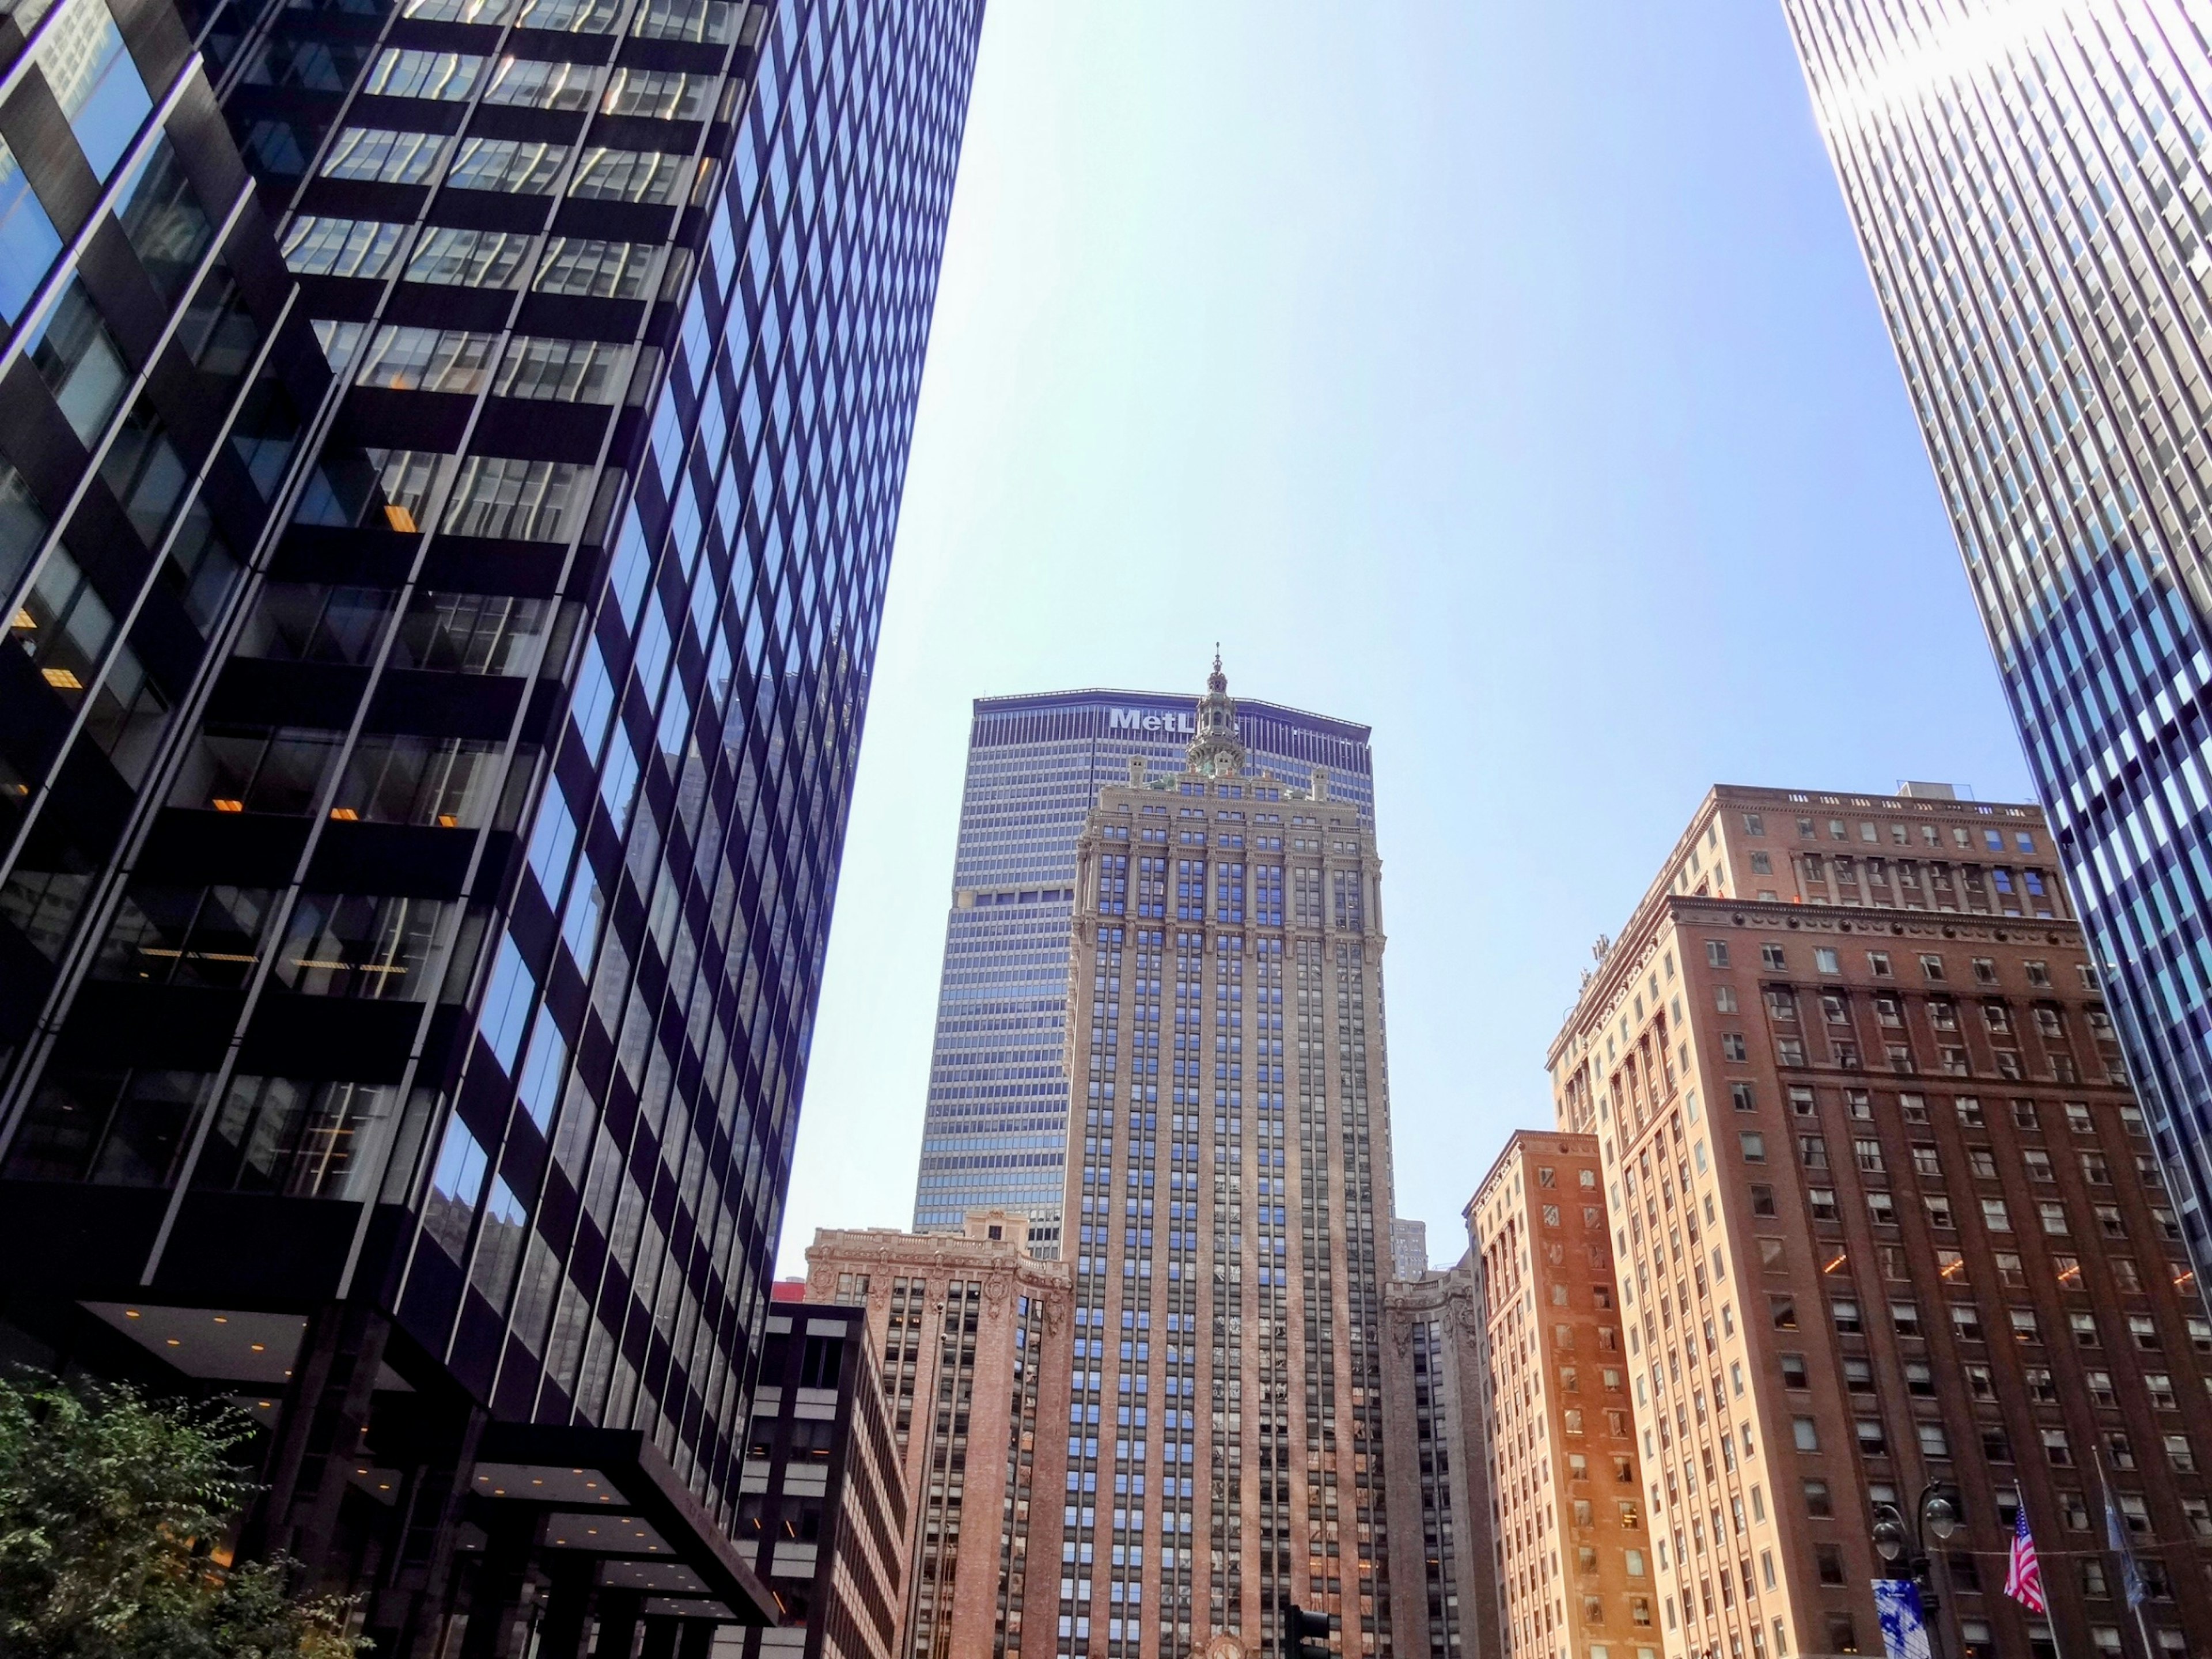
(823, 1505)
(1573, 1557)
(996, 1121)
(1409, 1248)
(1435, 1467)
(2029, 184)
(1886, 1213)
(1228, 1207)
(435, 1000)
(974, 1332)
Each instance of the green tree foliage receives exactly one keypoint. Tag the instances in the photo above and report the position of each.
(110, 1508)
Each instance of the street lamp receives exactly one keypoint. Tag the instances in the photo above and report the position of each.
(1897, 1542)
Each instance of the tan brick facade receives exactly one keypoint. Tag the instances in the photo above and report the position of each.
(967, 1325)
(1885, 1214)
(1573, 1549)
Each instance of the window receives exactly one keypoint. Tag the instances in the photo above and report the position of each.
(1827, 961)
(532, 85)
(1966, 1321)
(1717, 953)
(527, 501)
(470, 258)
(1933, 1441)
(1931, 970)
(1762, 1200)
(1770, 958)
(1969, 1113)
(1805, 1432)
(1754, 1147)
(447, 75)
(1783, 1309)
(1724, 999)
(81, 363)
(427, 360)
(381, 155)
(609, 270)
(664, 94)
(94, 80)
(563, 370)
(632, 175)
(341, 248)
(1872, 1441)
(1846, 1315)
(507, 164)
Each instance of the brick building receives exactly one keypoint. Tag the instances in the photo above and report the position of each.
(1885, 1214)
(1435, 1467)
(963, 1321)
(1572, 1550)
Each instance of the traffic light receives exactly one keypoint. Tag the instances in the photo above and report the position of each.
(1306, 1634)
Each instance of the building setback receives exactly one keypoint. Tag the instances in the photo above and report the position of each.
(996, 1131)
(1437, 1468)
(974, 1331)
(1885, 1213)
(2030, 185)
(824, 1504)
(1227, 1214)
(446, 532)
(1571, 1551)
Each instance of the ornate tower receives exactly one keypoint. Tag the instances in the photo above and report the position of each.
(1215, 751)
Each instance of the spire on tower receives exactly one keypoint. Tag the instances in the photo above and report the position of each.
(1216, 752)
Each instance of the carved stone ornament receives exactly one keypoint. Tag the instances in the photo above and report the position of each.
(1223, 1646)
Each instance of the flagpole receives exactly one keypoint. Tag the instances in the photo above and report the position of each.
(2131, 1571)
(2050, 1618)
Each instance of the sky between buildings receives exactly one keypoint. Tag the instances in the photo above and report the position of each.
(1502, 375)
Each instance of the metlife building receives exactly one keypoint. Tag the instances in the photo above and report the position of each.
(997, 1126)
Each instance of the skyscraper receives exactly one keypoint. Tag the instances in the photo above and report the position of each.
(1884, 1216)
(1227, 1212)
(996, 1121)
(445, 648)
(2031, 183)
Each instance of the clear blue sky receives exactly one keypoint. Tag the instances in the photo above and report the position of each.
(1504, 375)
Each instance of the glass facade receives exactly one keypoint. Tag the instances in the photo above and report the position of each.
(997, 1127)
(445, 516)
(2031, 186)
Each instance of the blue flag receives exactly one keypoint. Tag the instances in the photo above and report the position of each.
(2116, 1535)
(1903, 1630)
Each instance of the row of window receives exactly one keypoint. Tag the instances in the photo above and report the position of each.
(1828, 960)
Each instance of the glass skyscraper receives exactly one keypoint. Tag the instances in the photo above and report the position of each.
(2032, 183)
(448, 471)
(996, 1131)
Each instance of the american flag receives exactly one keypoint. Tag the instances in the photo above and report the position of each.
(2023, 1579)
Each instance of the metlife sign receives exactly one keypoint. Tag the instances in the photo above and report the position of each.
(1139, 720)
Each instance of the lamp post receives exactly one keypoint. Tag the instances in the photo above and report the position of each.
(1898, 1542)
